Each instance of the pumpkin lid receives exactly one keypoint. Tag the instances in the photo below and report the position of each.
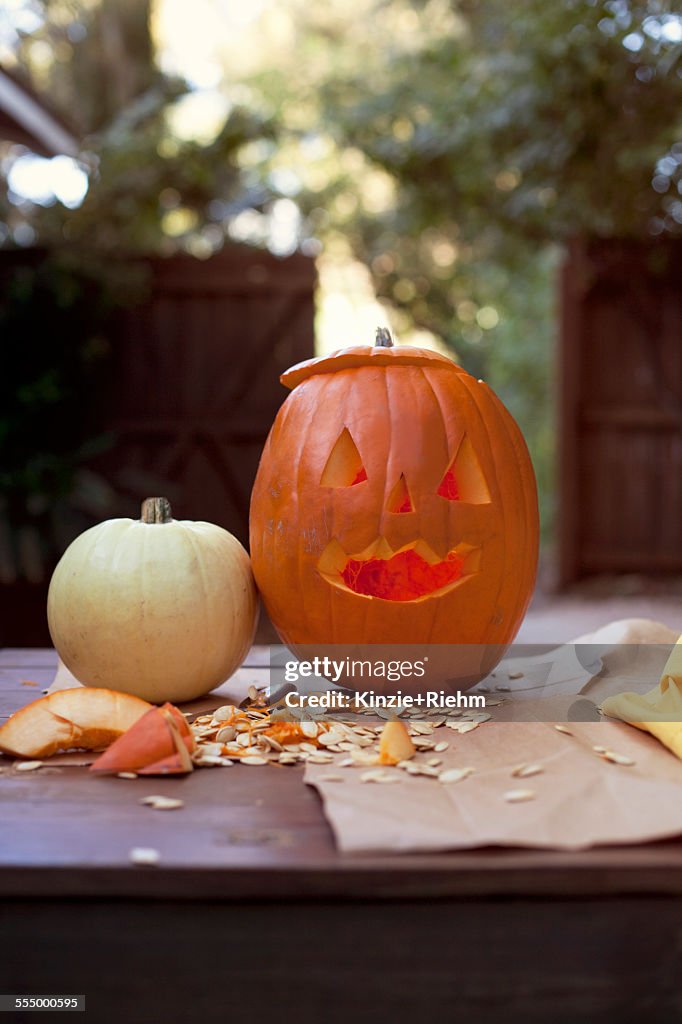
(365, 355)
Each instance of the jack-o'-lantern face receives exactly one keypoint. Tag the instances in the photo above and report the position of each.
(395, 502)
(414, 571)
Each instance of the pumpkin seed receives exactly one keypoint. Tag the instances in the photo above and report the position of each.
(518, 796)
(421, 728)
(563, 729)
(126, 775)
(223, 714)
(254, 759)
(464, 727)
(330, 738)
(162, 803)
(144, 856)
(28, 766)
(440, 747)
(616, 758)
(378, 775)
(454, 775)
(524, 771)
(225, 734)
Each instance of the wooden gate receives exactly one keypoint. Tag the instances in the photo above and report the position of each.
(195, 379)
(621, 409)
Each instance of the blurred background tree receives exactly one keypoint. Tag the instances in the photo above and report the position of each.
(463, 143)
(435, 155)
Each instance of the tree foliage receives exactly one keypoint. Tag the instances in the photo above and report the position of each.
(451, 146)
(501, 131)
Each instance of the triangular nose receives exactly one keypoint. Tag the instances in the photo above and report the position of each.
(399, 499)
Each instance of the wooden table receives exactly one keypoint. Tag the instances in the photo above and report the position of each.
(253, 912)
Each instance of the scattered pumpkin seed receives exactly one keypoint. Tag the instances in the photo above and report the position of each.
(226, 734)
(524, 771)
(563, 729)
(518, 796)
(126, 775)
(616, 758)
(254, 759)
(162, 803)
(464, 727)
(28, 766)
(378, 775)
(144, 856)
(454, 775)
(224, 714)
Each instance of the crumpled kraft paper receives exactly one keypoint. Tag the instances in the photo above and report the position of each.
(578, 800)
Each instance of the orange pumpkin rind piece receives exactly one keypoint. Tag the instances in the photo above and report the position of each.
(395, 744)
(161, 739)
(75, 719)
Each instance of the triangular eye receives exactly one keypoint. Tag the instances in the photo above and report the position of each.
(399, 498)
(448, 486)
(344, 466)
(463, 479)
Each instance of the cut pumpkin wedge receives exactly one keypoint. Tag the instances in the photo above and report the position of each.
(159, 743)
(395, 744)
(75, 719)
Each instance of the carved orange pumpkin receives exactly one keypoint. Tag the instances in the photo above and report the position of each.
(395, 502)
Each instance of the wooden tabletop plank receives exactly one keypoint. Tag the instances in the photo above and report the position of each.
(28, 657)
(249, 831)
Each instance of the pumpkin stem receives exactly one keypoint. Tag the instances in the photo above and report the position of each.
(156, 510)
(383, 338)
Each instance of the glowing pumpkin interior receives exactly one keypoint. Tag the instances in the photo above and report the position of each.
(414, 572)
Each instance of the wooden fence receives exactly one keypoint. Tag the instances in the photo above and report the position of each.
(192, 388)
(195, 379)
(620, 392)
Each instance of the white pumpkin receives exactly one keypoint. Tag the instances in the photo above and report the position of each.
(163, 609)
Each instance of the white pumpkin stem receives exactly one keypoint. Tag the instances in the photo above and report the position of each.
(156, 510)
(383, 338)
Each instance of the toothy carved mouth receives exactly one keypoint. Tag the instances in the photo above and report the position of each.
(412, 573)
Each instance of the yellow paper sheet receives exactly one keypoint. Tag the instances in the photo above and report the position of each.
(659, 711)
